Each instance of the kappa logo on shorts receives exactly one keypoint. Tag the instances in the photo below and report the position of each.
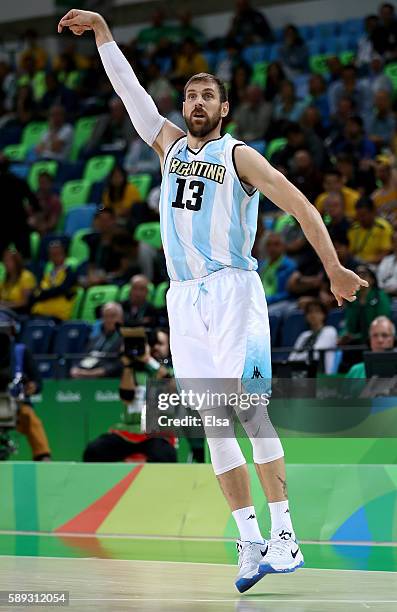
(256, 373)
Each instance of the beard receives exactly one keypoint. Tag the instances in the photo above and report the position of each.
(205, 127)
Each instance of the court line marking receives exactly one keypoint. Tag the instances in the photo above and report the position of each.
(128, 536)
(305, 569)
(283, 600)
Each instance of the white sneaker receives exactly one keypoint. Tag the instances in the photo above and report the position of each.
(250, 555)
(283, 556)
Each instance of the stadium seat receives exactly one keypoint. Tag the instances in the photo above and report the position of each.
(98, 168)
(49, 165)
(78, 247)
(255, 53)
(158, 300)
(274, 320)
(149, 233)
(352, 26)
(38, 335)
(335, 318)
(79, 218)
(325, 30)
(314, 46)
(391, 72)
(77, 304)
(258, 145)
(318, 63)
(231, 128)
(125, 292)
(32, 133)
(82, 133)
(142, 182)
(347, 57)
(2, 272)
(96, 296)
(306, 32)
(71, 337)
(301, 84)
(47, 367)
(15, 152)
(291, 327)
(20, 170)
(275, 145)
(259, 73)
(329, 45)
(75, 193)
(274, 53)
(34, 244)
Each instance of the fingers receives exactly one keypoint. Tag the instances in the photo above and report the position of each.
(351, 298)
(362, 282)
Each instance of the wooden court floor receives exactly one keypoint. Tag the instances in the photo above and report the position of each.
(110, 584)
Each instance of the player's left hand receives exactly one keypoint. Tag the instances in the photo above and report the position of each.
(345, 284)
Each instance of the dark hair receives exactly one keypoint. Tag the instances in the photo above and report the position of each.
(357, 120)
(295, 31)
(205, 76)
(365, 203)
(292, 128)
(115, 193)
(317, 304)
(367, 270)
(340, 238)
(18, 261)
(334, 171)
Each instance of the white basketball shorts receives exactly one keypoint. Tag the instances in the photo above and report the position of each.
(219, 326)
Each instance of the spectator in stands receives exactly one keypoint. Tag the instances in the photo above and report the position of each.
(137, 309)
(18, 283)
(56, 142)
(342, 248)
(112, 132)
(46, 219)
(25, 109)
(371, 302)
(120, 195)
(189, 60)
(354, 141)
(337, 121)
(57, 94)
(384, 35)
(8, 85)
(274, 271)
(15, 192)
(78, 60)
(385, 197)
(166, 107)
(365, 46)
(228, 62)
(333, 182)
(158, 84)
(286, 105)
(153, 34)
(351, 87)
(318, 96)
(311, 122)
(345, 164)
(305, 174)
(249, 26)
(238, 86)
(275, 76)
(334, 211)
(377, 79)
(103, 349)
(370, 236)
(293, 52)
(252, 116)
(32, 50)
(298, 138)
(319, 337)
(381, 122)
(387, 271)
(142, 158)
(308, 280)
(56, 293)
(382, 337)
(125, 439)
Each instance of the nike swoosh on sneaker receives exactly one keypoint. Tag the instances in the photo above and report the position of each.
(294, 553)
(263, 553)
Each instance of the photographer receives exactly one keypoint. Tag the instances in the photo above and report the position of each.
(26, 382)
(126, 439)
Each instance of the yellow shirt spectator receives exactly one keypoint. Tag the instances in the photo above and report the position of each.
(371, 244)
(189, 61)
(120, 195)
(18, 283)
(350, 197)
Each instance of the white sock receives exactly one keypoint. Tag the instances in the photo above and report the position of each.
(281, 520)
(247, 524)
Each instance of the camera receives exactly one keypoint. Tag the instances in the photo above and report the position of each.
(135, 340)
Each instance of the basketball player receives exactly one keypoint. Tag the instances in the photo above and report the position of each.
(217, 309)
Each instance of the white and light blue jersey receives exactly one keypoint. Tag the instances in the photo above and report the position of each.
(208, 216)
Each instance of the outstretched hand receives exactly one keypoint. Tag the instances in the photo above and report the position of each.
(345, 284)
(78, 21)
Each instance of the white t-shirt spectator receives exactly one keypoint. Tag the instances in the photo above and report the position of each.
(308, 341)
(64, 134)
(387, 274)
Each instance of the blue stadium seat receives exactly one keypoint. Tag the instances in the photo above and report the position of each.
(293, 325)
(79, 218)
(274, 53)
(255, 53)
(38, 335)
(335, 317)
(352, 26)
(301, 83)
(71, 338)
(46, 367)
(211, 58)
(20, 170)
(326, 29)
(306, 32)
(258, 145)
(330, 45)
(345, 43)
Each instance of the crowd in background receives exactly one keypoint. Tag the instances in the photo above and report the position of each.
(334, 136)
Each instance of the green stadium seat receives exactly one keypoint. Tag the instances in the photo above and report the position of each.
(82, 133)
(231, 128)
(259, 73)
(347, 57)
(318, 63)
(149, 233)
(75, 193)
(142, 182)
(39, 85)
(98, 168)
(96, 296)
(391, 71)
(78, 302)
(78, 247)
(15, 152)
(50, 166)
(2, 272)
(159, 296)
(275, 145)
(125, 292)
(32, 133)
(34, 244)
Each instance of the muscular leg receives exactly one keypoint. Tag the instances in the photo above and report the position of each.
(273, 479)
(235, 486)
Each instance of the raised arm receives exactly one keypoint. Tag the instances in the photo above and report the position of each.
(255, 170)
(154, 129)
